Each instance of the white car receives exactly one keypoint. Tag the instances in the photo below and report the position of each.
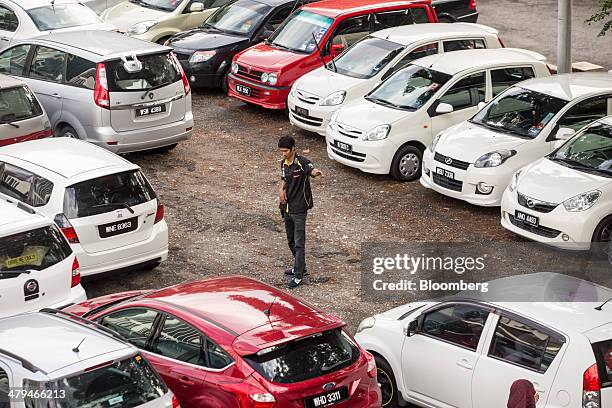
(467, 353)
(475, 160)
(24, 19)
(387, 131)
(103, 204)
(37, 267)
(50, 359)
(318, 94)
(565, 199)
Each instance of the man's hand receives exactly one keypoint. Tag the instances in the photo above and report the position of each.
(282, 196)
(316, 173)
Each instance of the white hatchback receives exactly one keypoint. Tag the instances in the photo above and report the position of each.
(103, 204)
(318, 94)
(565, 199)
(387, 131)
(475, 160)
(37, 267)
(466, 353)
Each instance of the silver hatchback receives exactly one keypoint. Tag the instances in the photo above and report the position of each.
(118, 92)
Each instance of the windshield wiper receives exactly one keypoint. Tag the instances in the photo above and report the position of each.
(16, 272)
(10, 123)
(382, 102)
(116, 205)
(208, 25)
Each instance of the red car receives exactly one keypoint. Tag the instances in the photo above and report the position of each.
(235, 342)
(317, 32)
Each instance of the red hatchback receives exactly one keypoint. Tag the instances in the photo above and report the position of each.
(317, 32)
(235, 342)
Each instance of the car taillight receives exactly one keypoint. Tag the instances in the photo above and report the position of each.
(472, 5)
(265, 400)
(101, 96)
(371, 365)
(591, 396)
(76, 273)
(159, 214)
(175, 402)
(183, 76)
(501, 42)
(67, 228)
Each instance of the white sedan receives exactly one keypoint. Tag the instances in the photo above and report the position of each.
(475, 160)
(565, 199)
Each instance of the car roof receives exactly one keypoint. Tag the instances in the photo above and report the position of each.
(73, 157)
(30, 4)
(334, 8)
(10, 82)
(571, 86)
(458, 61)
(47, 341)
(409, 34)
(275, 3)
(17, 219)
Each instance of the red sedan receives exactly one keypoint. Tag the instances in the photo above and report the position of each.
(237, 342)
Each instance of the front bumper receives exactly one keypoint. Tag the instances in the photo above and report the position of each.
(269, 97)
(318, 116)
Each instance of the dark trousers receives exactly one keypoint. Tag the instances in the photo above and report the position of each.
(295, 226)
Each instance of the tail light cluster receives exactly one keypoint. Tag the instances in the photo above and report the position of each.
(175, 402)
(159, 214)
(101, 95)
(371, 365)
(591, 388)
(252, 394)
(183, 76)
(67, 228)
(472, 5)
(76, 274)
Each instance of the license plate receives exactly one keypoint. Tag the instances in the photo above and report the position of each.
(150, 110)
(445, 173)
(118, 227)
(345, 147)
(327, 399)
(527, 218)
(301, 111)
(245, 90)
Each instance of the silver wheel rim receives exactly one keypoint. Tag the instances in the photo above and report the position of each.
(409, 165)
(70, 134)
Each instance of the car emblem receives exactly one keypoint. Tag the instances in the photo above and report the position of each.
(530, 203)
(119, 214)
(329, 386)
(151, 95)
(448, 160)
(31, 286)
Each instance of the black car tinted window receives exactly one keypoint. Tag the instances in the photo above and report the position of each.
(458, 45)
(80, 72)
(8, 20)
(37, 249)
(134, 325)
(467, 92)
(18, 103)
(586, 112)
(217, 357)
(5, 401)
(458, 324)
(158, 70)
(603, 356)
(179, 341)
(48, 64)
(23, 185)
(13, 60)
(506, 77)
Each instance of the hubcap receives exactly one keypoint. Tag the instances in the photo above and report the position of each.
(386, 387)
(606, 233)
(70, 135)
(409, 165)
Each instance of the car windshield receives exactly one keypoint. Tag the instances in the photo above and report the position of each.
(238, 17)
(62, 16)
(366, 58)
(590, 150)
(128, 383)
(18, 104)
(37, 249)
(299, 32)
(409, 89)
(165, 5)
(520, 112)
(306, 358)
(158, 70)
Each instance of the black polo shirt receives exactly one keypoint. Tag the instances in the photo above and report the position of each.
(296, 176)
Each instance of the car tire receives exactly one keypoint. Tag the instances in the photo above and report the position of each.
(406, 164)
(150, 266)
(68, 131)
(162, 40)
(224, 83)
(388, 386)
(164, 149)
(603, 234)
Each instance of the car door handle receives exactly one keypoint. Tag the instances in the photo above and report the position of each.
(537, 387)
(465, 364)
(56, 96)
(186, 382)
(3, 38)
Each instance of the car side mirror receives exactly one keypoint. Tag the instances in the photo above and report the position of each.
(443, 108)
(481, 105)
(413, 328)
(196, 7)
(564, 133)
(336, 49)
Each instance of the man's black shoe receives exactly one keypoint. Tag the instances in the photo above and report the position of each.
(294, 283)
(289, 272)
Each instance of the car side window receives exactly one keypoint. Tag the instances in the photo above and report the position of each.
(419, 15)
(505, 77)
(180, 341)
(215, 3)
(586, 112)
(80, 72)
(134, 325)
(388, 19)
(278, 17)
(468, 92)
(13, 60)
(419, 52)
(217, 357)
(458, 45)
(457, 324)
(5, 401)
(24, 186)
(521, 344)
(8, 20)
(351, 30)
(48, 65)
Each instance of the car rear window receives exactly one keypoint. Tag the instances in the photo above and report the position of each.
(306, 358)
(37, 249)
(126, 383)
(18, 104)
(157, 70)
(107, 193)
(603, 356)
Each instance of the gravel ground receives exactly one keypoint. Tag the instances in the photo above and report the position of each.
(220, 192)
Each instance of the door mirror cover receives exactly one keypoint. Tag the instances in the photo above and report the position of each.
(444, 108)
(336, 49)
(564, 133)
(196, 7)
(413, 328)
(481, 105)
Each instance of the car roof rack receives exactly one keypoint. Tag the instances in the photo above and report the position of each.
(24, 363)
(83, 321)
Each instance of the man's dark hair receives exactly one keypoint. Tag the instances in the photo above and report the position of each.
(286, 142)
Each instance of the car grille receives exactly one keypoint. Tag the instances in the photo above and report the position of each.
(536, 205)
(252, 74)
(348, 131)
(353, 156)
(453, 162)
(448, 183)
(307, 98)
(308, 120)
(539, 230)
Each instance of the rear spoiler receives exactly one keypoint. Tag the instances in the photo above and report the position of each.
(529, 53)
(480, 26)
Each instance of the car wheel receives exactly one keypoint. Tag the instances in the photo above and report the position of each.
(68, 131)
(602, 238)
(406, 165)
(386, 381)
(164, 149)
(162, 40)
(225, 83)
(150, 266)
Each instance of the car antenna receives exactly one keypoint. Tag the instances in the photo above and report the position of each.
(76, 349)
(602, 305)
(267, 312)
(321, 54)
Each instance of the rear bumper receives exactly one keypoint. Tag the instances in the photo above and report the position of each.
(269, 97)
(77, 295)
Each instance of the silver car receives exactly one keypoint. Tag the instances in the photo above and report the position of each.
(99, 6)
(118, 92)
(23, 19)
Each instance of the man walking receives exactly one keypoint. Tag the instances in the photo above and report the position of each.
(295, 196)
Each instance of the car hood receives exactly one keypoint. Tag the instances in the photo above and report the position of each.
(553, 182)
(202, 39)
(269, 58)
(365, 115)
(322, 82)
(468, 142)
(126, 14)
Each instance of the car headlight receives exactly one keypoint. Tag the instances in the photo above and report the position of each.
(272, 79)
(334, 118)
(434, 142)
(201, 56)
(334, 98)
(366, 323)
(514, 181)
(141, 28)
(582, 202)
(264, 77)
(378, 133)
(234, 68)
(494, 159)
